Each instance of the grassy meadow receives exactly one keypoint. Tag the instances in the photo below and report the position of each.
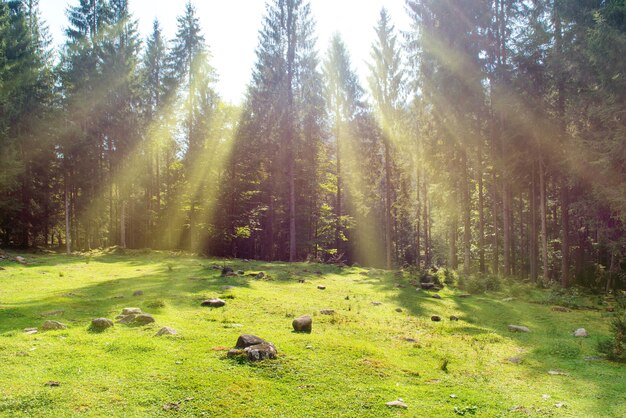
(353, 362)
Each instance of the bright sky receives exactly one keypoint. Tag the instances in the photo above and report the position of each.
(231, 30)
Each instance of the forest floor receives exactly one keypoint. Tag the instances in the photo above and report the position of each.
(350, 365)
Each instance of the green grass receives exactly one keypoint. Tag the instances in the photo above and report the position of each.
(350, 365)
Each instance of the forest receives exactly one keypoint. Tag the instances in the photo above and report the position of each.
(489, 138)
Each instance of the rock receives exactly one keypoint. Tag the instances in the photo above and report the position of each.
(545, 397)
(53, 313)
(53, 383)
(436, 288)
(427, 286)
(301, 280)
(464, 295)
(143, 319)
(172, 406)
(214, 303)
(226, 270)
(347, 297)
(138, 293)
(30, 331)
(241, 272)
(131, 311)
(560, 309)
(581, 332)
(376, 303)
(507, 299)
(396, 404)
(125, 319)
(261, 275)
(261, 351)
(303, 324)
(436, 296)
(398, 309)
(556, 373)
(234, 352)
(321, 287)
(435, 318)
(559, 405)
(454, 318)
(246, 340)
(100, 324)
(327, 311)
(20, 259)
(53, 325)
(515, 360)
(228, 287)
(518, 328)
(166, 331)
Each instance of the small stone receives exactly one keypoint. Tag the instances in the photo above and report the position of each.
(131, 311)
(261, 351)
(545, 397)
(53, 325)
(309, 347)
(228, 287)
(241, 272)
(435, 318)
(376, 303)
(436, 288)
(327, 311)
(261, 275)
(53, 313)
(179, 362)
(234, 352)
(396, 404)
(560, 309)
(518, 328)
(100, 324)
(230, 274)
(436, 296)
(53, 383)
(166, 331)
(30, 331)
(508, 299)
(559, 404)
(143, 319)
(321, 287)
(301, 280)
(454, 318)
(453, 396)
(125, 319)
(138, 293)
(556, 373)
(398, 309)
(303, 324)
(347, 298)
(246, 340)
(593, 358)
(214, 303)
(581, 332)
(226, 270)
(515, 360)
(172, 406)
(464, 295)
(20, 259)
(427, 286)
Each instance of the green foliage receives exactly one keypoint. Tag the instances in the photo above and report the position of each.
(480, 283)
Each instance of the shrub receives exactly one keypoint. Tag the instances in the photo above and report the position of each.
(481, 283)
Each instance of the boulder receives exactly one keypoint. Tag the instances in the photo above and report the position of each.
(131, 311)
(53, 325)
(454, 318)
(435, 318)
(261, 275)
(398, 309)
(303, 324)
(30, 331)
(125, 319)
(166, 331)
(226, 270)
(138, 293)
(427, 286)
(518, 328)
(143, 319)
(436, 296)
(321, 287)
(581, 332)
(214, 303)
(327, 311)
(246, 340)
(241, 272)
(261, 351)
(20, 259)
(100, 324)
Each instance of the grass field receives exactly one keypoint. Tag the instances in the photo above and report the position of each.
(352, 363)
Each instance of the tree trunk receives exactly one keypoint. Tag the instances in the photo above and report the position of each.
(290, 134)
(68, 237)
(544, 220)
(532, 237)
(467, 222)
(565, 279)
(122, 223)
(388, 245)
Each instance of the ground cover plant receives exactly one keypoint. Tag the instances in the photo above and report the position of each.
(379, 345)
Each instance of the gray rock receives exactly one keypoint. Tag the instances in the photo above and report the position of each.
(246, 340)
(20, 259)
(398, 309)
(427, 286)
(138, 293)
(515, 360)
(518, 328)
(435, 318)
(228, 287)
(397, 404)
(227, 270)
(581, 332)
(321, 287)
(327, 311)
(166, 331)
(436, 296)
(131, 311)
(214, 303)
(30, 331)
(143, 319)
(53, 325)
(241, 272)
(100, 324)
(376, 303)
(303, 324)
(125, 319)
(454, 318)
(261, 351)
(261, 275)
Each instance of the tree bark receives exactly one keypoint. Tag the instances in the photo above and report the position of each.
(544, 220)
